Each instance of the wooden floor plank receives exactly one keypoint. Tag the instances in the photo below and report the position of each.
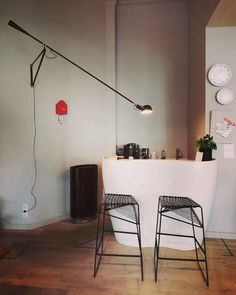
(55, 261)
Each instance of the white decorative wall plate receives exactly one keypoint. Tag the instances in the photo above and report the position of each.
(225, 96)
(219, 75)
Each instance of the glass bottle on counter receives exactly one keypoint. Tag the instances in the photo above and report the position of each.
(163, 155)
(178, 154)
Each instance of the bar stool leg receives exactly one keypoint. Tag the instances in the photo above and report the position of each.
(137, 216)
(157, 241)
(203, 249)
(194, 235)
(99, 242)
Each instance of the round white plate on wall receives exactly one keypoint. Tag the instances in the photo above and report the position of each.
(225, 96)
(219, 74)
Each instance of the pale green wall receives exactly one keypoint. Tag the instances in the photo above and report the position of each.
(221, 48)
(209, 46)
(147, 52)
(85, 32)
(78, 30)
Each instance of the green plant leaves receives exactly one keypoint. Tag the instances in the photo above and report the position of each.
(206, 142)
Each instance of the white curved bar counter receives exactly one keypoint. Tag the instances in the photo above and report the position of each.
(146, 180)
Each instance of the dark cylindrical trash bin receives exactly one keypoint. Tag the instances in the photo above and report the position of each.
(83, 193)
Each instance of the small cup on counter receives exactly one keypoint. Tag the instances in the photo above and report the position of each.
(153, 155)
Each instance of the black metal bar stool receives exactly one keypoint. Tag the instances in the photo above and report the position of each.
(128, 208)
(185, 210)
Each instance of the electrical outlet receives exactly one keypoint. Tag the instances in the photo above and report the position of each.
(25, 208)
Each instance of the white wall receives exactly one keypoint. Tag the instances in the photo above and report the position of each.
(152, 56)
(76, 29)
(220, 48)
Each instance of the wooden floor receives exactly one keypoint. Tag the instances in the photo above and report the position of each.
(58, 260)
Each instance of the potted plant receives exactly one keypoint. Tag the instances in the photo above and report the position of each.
(205, 145)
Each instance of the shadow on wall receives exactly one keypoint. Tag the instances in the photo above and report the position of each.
(1, 210)
(66, 199)
(100, 183)
(4, 219)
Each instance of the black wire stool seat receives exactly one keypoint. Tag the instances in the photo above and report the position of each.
(128, 208)
(186, 211)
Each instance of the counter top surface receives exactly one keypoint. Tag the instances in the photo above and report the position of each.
(157, 160)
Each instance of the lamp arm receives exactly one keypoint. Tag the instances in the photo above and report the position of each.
(87, 72)
(17, 27)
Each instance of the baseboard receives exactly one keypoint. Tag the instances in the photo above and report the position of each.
(28, 226)
(220, 235)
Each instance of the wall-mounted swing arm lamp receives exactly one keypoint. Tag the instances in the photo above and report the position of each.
(146, 109)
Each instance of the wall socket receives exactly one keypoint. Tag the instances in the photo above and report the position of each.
(25, 208)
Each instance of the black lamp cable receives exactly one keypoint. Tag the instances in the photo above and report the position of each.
(34, 154)
(32, 192)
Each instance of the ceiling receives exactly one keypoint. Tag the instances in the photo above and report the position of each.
(224, 14)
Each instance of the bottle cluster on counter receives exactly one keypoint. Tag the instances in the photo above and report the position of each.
(133, 151)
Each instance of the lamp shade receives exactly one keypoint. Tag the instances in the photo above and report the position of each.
(146, 109)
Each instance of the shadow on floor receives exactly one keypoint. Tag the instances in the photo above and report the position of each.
(26, 290)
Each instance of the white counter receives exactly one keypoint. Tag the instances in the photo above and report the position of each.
(146, 180)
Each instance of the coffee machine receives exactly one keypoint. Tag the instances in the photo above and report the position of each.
(131, 150)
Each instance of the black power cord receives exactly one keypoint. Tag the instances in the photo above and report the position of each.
(53, 55)
(34, 154)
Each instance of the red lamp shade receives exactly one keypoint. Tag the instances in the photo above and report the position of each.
(61, 108)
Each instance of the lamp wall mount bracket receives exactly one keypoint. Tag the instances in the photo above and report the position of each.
(32, 77)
